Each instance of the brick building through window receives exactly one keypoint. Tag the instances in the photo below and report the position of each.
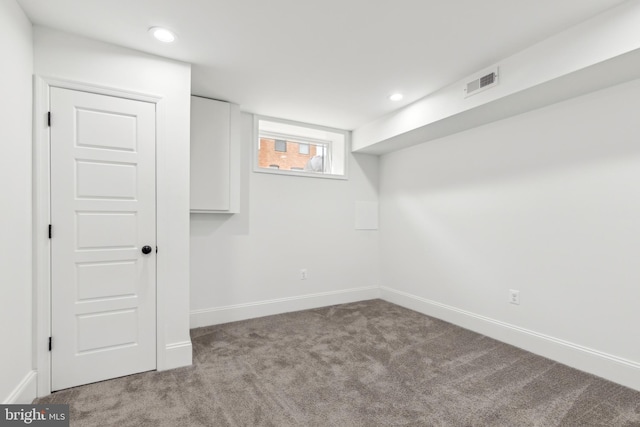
(299, 149)
(286, 155)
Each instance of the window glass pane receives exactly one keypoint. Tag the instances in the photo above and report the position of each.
(280, 145)
(284, 147)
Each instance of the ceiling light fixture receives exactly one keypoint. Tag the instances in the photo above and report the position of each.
(396, 97)
(162, 34)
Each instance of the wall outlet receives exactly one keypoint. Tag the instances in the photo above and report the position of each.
(303, 274)
(514, 296)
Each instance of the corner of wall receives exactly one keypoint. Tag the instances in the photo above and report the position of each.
(604, 365)
(25, 392)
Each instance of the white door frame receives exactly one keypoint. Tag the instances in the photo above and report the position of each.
(42, 216)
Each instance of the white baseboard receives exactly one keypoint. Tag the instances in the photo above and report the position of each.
(233, 313)
(610, 367)
(25, 392)
(177, 355)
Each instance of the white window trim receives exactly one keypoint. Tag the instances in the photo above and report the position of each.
(308, 174)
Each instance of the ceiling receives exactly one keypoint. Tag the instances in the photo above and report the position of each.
(328, 62)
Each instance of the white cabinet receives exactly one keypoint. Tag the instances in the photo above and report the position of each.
(215, 156)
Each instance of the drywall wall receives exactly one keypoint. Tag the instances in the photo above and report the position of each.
(64, 56)
(546, 203)
(594, 54)
(248, 264)
(17, 379)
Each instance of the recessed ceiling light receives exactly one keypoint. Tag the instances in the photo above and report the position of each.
(396, 97)
(162, 34)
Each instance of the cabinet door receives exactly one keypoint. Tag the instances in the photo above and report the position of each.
(210, 155)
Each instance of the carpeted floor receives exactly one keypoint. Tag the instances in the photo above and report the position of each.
(370, 363)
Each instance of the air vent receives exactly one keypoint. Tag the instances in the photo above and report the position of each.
(482, 83)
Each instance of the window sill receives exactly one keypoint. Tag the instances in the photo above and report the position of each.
(300, 174)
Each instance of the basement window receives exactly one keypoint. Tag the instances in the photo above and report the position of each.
(291, 148)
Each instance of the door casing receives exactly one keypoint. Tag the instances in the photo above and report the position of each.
(42, 216)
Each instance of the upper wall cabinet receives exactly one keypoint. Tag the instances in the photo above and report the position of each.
(215, 156)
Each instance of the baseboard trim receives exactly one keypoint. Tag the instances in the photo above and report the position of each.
(25, 392)
(233, 313)
(177, 355)
(610, 367)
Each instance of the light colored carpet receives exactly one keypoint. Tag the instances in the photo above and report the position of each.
(370, 363)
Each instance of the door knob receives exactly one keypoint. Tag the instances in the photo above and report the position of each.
(146, 250)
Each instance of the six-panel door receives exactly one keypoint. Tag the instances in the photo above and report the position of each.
(103, 213)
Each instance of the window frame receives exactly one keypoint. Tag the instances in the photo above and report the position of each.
(300, 140)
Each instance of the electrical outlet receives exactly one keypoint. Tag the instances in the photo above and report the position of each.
(303, 274)
(514, 296)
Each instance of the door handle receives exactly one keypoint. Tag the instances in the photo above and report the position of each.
(146, 249)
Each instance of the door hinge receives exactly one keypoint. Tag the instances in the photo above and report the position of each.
(50, 339)
(49, 118)
(50, 230)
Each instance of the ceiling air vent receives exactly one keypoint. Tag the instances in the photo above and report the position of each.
(482, 83)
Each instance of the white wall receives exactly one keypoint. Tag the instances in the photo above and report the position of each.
(547, 203)
(17, 382)
(64, 56)
(555, 69)
(247, 264)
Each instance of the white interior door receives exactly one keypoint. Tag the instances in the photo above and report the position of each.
(103, 302)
